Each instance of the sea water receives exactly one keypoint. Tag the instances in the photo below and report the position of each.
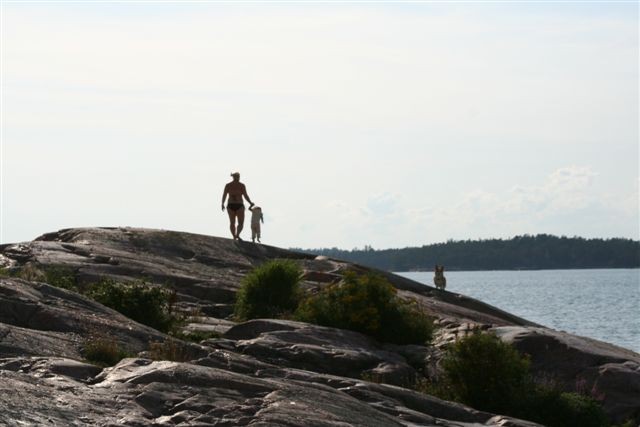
(601, 304)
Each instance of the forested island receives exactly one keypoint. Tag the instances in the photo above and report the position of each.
(527, 252)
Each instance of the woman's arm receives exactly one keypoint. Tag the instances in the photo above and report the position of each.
(224, 195)
(246, 196)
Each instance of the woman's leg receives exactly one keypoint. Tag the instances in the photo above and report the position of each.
(232, 222)
(240, 216)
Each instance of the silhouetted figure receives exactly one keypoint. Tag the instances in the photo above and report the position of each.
(235, 208)
(256, 218)
(439, 280)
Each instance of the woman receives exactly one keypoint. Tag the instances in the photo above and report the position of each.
(235, 208)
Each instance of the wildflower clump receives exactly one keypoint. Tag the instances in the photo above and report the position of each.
(140, 301)
(367, 304)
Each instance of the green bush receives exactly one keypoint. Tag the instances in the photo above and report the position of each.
(270, 290)
(61, 277)
(5, 272)
(554, 408)
(487, 374)
(578, 409)
(483, 372)
(58, 276)
(367, 304)
(30, 271)
(144, 303)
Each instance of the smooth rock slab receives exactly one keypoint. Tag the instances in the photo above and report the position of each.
(320, 349)
(141, 392)
(50, 367)
(37, 319)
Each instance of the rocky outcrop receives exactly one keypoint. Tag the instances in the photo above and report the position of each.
(41, 320)
(606, 372)
(262, 372)
(141, 392)
(206, 271)
(319, 349)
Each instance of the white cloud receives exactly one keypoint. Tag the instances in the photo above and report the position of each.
(382, 205)
(564, 203)
(566, 189)
(558, 205)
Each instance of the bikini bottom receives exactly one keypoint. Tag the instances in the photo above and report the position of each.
(235, 206)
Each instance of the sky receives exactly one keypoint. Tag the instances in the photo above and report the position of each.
(380, 124)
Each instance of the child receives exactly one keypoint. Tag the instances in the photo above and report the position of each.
(256, 218)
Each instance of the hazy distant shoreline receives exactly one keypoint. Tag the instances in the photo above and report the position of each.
(540, 252)
(526, 269)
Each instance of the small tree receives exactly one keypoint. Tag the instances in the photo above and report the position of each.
(269, 290)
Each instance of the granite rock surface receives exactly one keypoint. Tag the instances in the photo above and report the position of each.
(264, 372)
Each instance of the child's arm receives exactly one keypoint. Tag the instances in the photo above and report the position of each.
(262, 218)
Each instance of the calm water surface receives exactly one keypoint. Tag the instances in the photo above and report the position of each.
(601, 304)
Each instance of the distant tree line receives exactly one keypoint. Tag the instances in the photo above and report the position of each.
(527, 252)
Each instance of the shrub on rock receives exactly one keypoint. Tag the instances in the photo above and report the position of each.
(552, 407)
(490, 375)
(144, 303)
(268, 291)
(367, 304)
(483, 372)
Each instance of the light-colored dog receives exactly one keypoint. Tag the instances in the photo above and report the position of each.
(439, 280)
